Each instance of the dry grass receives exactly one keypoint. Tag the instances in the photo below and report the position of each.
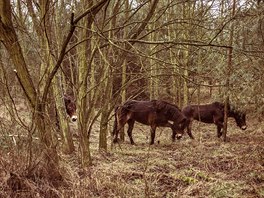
(205, 167)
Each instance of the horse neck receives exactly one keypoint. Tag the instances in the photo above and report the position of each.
(176, 115)
(233, 113)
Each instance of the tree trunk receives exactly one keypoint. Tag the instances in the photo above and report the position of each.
(84, 50)
(67, 141)
(187, 14)
(229, 71)
(38, 103)
(83, 110)
(123, 95)
(10, 40)
(106, 108)
(49, 44)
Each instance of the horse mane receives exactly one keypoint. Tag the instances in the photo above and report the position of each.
(161, 104)
(220, 105)
(155, 105)
(167, 108)
(231, 108)
(129, 105)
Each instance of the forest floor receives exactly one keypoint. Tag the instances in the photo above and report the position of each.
(204, 167)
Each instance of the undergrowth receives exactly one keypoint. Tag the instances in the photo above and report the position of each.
(204, 167)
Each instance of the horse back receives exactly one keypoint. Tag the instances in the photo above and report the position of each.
(141, 111)
(139, 106)
(151, 112)
(205, 113)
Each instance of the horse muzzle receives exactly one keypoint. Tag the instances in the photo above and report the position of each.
(244, 127)
(178, 136)
(74, 118)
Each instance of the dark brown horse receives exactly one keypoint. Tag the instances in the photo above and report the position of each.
(154, 113)
(70, 107)
(213, 113)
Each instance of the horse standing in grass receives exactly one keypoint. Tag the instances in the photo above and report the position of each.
(213, 113)
(154, 113)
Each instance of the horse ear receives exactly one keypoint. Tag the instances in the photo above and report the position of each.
(67, 99)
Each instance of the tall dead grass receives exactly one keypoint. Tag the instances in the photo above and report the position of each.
(204, 167)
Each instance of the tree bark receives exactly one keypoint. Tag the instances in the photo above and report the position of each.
(67, 141)
(12, 45)
(10, 40)
(38, 102)
(229, 71)
(84, 51)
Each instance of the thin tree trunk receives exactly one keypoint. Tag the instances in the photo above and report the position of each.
(106, 101)
(84, 50)
(185, 57)
(153, 70)
(123, 95)
(67, 141)
(175, 77)
(229, 71)
(58, 93)
(48, 43)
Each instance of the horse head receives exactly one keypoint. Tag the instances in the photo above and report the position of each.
(70, 107)
(240, 119)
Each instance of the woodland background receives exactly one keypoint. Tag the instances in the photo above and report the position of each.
(105, 52)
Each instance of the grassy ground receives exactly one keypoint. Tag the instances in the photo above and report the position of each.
(204, 167)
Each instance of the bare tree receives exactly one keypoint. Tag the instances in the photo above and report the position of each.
(37, 100)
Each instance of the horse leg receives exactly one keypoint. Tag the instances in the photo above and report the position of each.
(220, 125)
(153, 133)
(129, 130)
(219, 122)
(219, 131)
(114, 133)
(173, 131)
(173, 135)
(118, 125)
(189, 129)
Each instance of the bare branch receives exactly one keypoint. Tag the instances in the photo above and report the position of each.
(91, 11)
